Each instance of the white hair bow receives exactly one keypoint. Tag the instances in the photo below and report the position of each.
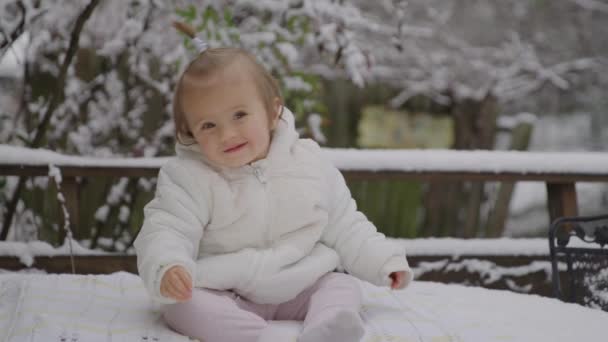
(200, 44)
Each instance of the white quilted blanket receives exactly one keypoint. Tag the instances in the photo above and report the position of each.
(79, 308)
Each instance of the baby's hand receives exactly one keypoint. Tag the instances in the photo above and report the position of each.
(176, 284)
(397, 280)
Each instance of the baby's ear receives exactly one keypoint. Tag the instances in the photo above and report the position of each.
(278, 107)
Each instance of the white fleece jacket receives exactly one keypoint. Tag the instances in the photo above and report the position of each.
(267, 230)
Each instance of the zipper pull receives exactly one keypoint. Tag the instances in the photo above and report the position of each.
(258, 174)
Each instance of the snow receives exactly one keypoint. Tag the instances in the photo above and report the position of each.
(296, 83)
(574, 132)
(27, 251)
(415, 247)
(510, 122)
(289, 51)
(371, 160)
(12, 61)
(487, 271)
(314, 122)
(457, 247)
(528, 212)
(448, 248)
(116, 307)
(470, 161)
(593, 5)
(41, 157)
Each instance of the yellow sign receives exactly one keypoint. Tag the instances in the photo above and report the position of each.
(384, 128)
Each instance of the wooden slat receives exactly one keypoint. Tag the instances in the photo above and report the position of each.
(475, 176)
(78, 171)
(429, 175)
(85, 264)
(561, 191)
(105, 264)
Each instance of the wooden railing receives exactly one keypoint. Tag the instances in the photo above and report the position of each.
(419, 165)
(452, 268)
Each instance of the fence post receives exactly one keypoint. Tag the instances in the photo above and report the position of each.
(561, 200)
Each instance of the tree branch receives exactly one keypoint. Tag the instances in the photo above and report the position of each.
(56, 96)
(13, 36)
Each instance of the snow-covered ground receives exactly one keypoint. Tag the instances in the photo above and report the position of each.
(37, 307)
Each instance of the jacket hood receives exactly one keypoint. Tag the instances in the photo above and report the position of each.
(283, 139)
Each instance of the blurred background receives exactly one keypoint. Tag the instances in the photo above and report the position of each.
(95, 78)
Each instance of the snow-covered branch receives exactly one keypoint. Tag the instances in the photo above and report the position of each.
(592, 5)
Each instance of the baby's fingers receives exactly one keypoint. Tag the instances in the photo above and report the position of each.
(173, 286)
(186, 280)
(176, 291)
(179, 286)
(166, 290)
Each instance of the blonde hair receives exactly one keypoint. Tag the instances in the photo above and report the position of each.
(206, 65)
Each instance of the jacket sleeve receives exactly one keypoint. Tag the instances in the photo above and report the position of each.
(172, 229)
(364, 252)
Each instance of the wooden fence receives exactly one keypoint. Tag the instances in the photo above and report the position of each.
(361, 165)
(355, 165)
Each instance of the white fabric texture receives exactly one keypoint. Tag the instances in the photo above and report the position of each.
(116, 307)
(267, 230)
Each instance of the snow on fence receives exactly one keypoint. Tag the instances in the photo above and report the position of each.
(559, 170)
(512, 268)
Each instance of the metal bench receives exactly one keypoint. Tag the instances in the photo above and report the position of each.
(581, 242)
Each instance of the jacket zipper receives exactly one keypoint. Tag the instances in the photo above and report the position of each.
(260, 177)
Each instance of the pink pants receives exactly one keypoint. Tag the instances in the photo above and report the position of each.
(221, 316)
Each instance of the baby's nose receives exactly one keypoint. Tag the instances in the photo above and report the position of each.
(228, 133)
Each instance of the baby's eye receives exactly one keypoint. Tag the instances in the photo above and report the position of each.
(207, 125)
(239, 115)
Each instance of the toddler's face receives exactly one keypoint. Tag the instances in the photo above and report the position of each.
(229, 120)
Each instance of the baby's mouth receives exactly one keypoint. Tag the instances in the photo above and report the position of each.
(235, 148)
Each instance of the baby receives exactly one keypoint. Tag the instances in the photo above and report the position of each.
(249, 222)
